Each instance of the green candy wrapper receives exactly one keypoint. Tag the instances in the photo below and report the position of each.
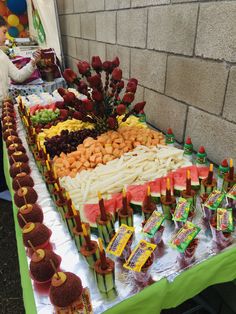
(153, 224)
(225, 220)
(232, 193)
(182, 210)
(184, 236)
(214, 200)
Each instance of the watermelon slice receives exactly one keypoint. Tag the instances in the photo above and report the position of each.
(91, 211)
(138, 194)
(155, 187)
(202, 172)
(180, 179)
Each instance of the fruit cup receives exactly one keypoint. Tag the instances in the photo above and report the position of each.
(188, 256)
(144, 276)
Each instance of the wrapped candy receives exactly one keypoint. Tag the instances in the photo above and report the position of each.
(153, 228)
(140, 261)
(120, 244)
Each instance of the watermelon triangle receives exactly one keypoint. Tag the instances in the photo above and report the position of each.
(202, 172)
(155, 187)
(180, 177)
(138, 193)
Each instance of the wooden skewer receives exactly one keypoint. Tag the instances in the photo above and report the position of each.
(18, 184)
(32, 247)
(23, 218)
(54, 268)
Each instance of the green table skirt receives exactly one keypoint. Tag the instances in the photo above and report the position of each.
(153, 299)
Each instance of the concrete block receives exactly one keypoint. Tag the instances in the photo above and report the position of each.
(139, 95)
(106, 27)
(95, 5)
(131, 27)
(124, 55)
(71, 63)
(80, 6)
(69, 46)
(178, 1)
(70, 25)
(230, 99)
(65, 6)
(164, 112)
(116, 4)
(62, 22)
(197, 82)
(82, 49)
(216, 34)
(214, 133)
(97, 49)
(144, 3)
(172, 28)
(88, 26)
(149, 67)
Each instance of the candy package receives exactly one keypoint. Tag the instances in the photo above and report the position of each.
(214, 200)
(139, 256)
(182, 210)
(184, 236)
(153, 224)
(225, 220)
(120, 240)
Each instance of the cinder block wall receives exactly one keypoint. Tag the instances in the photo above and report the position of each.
(183, 54)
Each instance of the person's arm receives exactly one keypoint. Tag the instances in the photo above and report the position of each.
(22, 74)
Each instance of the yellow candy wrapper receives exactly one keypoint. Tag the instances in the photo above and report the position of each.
(139, 256)
(120, 240)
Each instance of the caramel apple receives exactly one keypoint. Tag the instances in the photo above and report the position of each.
(15, 147)
(25, 195)
(8, 113)
(9, 126)
(8, 108)
(8, 133)
(12, 139)
(65, 290)
(19, 167)
(22, 179)
(7, 105)
(30, 213)
(18, 156)
(8, 119)
(41, 269)
(37, 233)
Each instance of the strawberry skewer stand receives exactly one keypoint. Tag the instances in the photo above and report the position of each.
(189, 193)
(104, 270)
(104, 222)
(125, 214)
(78, 229)
(230, 178)
(168, 202)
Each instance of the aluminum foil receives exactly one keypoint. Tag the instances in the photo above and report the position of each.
(165, 264)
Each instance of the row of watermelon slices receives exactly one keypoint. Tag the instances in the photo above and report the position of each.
(137, 193)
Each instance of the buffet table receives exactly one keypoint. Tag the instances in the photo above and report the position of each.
(164, 294)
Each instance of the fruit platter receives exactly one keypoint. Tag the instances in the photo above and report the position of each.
(107, 206)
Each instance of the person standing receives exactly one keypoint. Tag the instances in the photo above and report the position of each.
(9, 70)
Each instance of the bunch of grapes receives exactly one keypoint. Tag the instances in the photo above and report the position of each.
(67, 142)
